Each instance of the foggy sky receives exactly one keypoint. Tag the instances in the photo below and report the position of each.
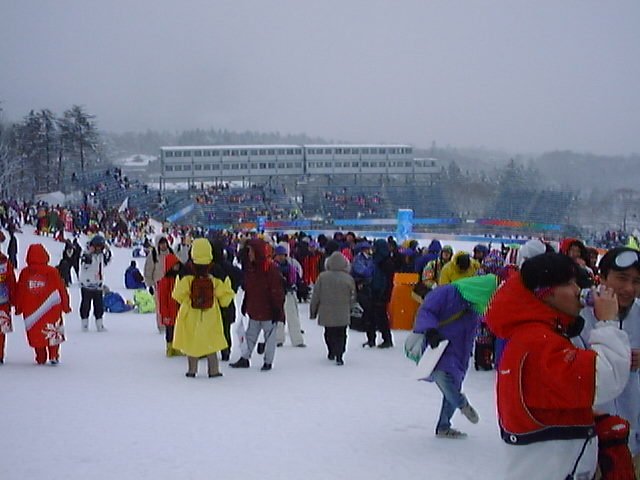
(526, 76)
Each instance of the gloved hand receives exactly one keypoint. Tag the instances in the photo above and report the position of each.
(413, 346)
(151, 290)
(434, 337)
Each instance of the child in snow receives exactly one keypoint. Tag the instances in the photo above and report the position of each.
(7, 299)
(41, 298)
(198, 331)
(167, 305)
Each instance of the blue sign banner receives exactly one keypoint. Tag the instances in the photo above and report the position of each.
(404, 229)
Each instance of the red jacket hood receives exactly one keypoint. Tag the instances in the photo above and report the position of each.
(37, 255)
(169, 261)
(514, 306)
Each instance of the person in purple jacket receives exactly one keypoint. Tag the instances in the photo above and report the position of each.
(452, 312)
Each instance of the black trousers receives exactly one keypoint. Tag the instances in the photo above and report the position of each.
(228, 317)
(168, 333)
(88, 297)
(336, 340)
(378, 322)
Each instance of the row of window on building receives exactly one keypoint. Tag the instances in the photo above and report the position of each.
(231, 166)
(233, 153)
(360, 151)
(358, 164)
(288, 151)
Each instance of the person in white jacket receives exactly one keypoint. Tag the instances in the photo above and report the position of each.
(92, 264)
(620, 272)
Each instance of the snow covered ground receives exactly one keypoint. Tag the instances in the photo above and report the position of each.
(117, 408)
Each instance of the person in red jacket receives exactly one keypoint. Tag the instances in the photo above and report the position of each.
(167, 306)
(41, 298)
(546, 386)
(7, 299)
(263, 302)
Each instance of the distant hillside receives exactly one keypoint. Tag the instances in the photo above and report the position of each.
(132, 143)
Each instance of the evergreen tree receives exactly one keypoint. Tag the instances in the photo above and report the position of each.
(80, 135)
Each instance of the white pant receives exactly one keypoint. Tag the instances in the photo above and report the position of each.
(292, 320)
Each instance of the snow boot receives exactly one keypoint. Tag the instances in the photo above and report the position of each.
(241, 363)
(266, 367)
(212, 365)
(192, 363)
(100, 325)
(470, 412)
(451, 433)
(85, 324)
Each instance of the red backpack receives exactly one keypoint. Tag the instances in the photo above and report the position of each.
(202, 292)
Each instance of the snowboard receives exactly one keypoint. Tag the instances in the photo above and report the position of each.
(429, 360)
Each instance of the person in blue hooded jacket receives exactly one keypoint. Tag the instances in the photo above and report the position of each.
(452, 312)
(432, 253)
(380, 286)
(133, 278)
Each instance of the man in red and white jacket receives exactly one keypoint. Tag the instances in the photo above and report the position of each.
(41, 298)
(546, 386)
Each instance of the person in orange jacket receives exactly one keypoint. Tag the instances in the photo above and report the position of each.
(7, 299)
(41, 298)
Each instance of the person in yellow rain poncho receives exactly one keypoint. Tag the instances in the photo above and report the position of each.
(198, 331)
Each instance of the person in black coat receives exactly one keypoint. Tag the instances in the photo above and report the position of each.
(66, 263)
(225, 268)
(75, 259)
(381, 286)
(12, 248)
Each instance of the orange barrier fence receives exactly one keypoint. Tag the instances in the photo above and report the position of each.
(402, 307)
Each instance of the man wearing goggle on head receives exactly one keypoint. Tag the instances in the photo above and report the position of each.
(620, 271)
(626, 258)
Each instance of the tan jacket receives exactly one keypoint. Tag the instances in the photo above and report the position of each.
(333, 294)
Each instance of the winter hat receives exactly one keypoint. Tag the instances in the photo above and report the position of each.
(463, 261)
(97, 241)
(530, 249)
(201, 252)
(331, 246)
(542, 273)
(481, 248)
(284, 245)
(280, 250)
(477, 290)
(361, 246)
(447, 248)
